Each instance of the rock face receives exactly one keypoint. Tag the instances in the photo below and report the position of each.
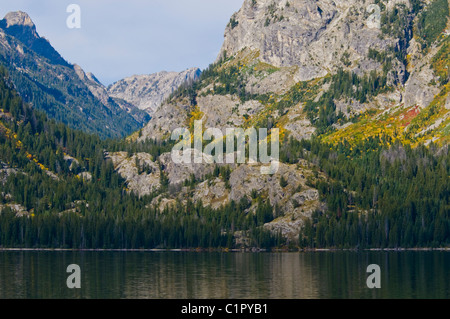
(418, 90)
(278, 43)
(279, 61)
(274, 45)
(165, 120)
(299, 126)
(223, 111)
(19, 18)
(93, 84)
(312, 35)
(147, 92)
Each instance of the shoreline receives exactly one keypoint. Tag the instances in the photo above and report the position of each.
(224, 250)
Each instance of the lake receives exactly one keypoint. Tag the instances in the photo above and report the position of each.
(190, 275)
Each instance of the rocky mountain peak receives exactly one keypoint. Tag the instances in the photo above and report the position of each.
(18, 18)
(93, 78)
(20, 26)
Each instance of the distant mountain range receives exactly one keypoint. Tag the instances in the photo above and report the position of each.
(148, 92)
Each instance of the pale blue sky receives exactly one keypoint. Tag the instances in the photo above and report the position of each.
(119, 38)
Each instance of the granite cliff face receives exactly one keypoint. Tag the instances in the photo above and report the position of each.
(147, 92)
(313, 36)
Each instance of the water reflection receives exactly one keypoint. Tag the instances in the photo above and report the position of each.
(180, 275)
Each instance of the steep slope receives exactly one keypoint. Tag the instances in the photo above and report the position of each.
(64, 92)
(99, 91)
(310, 35)
(147, 92)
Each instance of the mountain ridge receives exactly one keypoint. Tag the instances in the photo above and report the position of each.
(148, 91)
(19, 25)
(22, 51)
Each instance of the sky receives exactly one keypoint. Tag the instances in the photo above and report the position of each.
(120, 38)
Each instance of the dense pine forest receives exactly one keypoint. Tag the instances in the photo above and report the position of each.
(376, 195)
(404, 193)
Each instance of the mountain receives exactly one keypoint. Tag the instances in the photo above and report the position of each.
(147, 92)
(362, 105)
(44, 79)
(99, 91)
(328, 72)
(59, 188)
(319, 67)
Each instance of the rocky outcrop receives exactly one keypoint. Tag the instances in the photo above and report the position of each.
(18, 209)
(19, 18)
(96, 88)
(226, 111)
(139, 170)
(148, 92)
(418, 89)
(213, 193)
(165, 120)
(178, 173)
(6, 171)
(298, 125)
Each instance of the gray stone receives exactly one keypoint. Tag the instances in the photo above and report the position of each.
(148, 92)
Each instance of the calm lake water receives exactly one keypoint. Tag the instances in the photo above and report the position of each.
(182, 275)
